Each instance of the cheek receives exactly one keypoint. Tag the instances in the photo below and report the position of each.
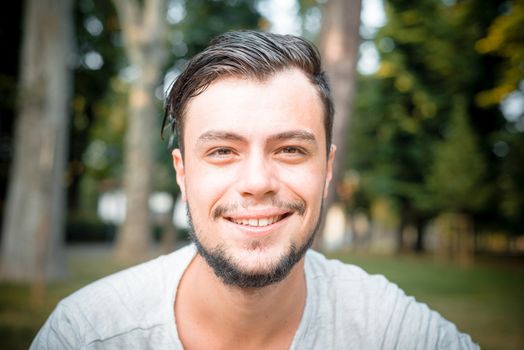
(307, 182)
(205, 187)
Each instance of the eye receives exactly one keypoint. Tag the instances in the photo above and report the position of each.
(292, 150)
(220, 152)
(291, 154)
(220, 155)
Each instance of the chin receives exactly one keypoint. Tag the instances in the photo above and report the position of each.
(258, 258)
(248, 269)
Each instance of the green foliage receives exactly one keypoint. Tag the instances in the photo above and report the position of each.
(458, 170)
(89, 230)
(429, 56)
(505, 38)
(97, 120)
(510, 182)
(206, 19)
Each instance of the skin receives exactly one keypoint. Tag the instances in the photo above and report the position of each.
(255, 152)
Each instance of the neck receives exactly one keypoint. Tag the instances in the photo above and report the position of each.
(261, 315)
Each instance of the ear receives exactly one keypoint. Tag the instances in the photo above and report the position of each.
(178, 164)
(329, 171)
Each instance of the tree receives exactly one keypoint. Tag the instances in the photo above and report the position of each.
(339, 44)
(428, 56)
(34, 223)
(455, 180)
(144, 31)
(504, 41)
(456, 183)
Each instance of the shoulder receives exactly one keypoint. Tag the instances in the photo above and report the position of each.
(320, 266)
(347, 286)
(135, 298)
(335, 273)
(377, 311)
(134, 292)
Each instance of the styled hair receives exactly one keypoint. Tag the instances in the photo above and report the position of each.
(246, 54)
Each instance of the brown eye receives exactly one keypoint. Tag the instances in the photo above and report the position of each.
(291, 154)
(290, 150)
(221, 155)
(222, 152)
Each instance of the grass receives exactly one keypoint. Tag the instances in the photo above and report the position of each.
(486, 300)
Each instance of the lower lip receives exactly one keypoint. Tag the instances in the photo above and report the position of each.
(258, 231)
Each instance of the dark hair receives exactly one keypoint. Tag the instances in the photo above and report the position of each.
(251, 54)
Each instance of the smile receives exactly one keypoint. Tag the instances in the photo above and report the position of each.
(259, 221)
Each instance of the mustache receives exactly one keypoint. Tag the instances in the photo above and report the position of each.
(298, 206)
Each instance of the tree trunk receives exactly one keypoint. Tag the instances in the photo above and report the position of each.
(339, 44)
(34, 224)
(465, 239)
(457, 238)
(404, 221)
(143, 28)
(420, 225)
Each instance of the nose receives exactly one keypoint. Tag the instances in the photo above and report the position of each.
(257, 177)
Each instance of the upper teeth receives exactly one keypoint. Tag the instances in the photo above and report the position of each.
(256, 222)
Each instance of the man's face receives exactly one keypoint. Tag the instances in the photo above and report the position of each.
(255, 170)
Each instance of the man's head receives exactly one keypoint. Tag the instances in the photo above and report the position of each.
(251, 55)
(255, 167)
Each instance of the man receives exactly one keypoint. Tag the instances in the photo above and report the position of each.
(253, 115)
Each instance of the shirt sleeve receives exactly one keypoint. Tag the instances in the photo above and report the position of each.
(58, 332)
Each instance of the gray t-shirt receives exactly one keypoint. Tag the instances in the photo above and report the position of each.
(346, 308)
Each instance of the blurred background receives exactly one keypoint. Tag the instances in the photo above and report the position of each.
(429, 180)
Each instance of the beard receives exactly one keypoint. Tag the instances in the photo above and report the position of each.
(232, 275)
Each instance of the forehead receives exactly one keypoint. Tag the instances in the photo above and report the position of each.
(286, 100)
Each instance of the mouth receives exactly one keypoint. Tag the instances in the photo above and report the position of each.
(258, 221)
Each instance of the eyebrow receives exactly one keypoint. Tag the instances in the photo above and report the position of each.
(216, 135)
(299, 135)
